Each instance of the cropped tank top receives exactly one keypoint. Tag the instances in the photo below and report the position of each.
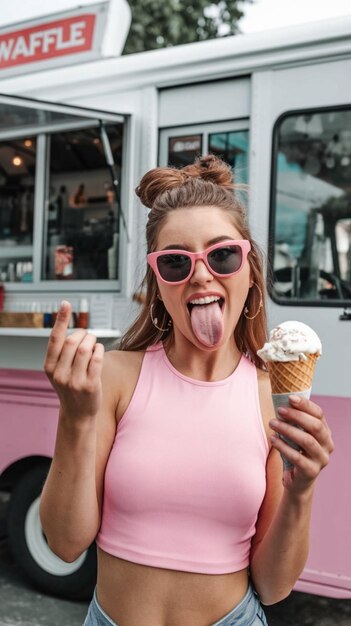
(186, 474)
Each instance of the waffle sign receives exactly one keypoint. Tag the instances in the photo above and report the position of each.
(75, 35)
(47, 41)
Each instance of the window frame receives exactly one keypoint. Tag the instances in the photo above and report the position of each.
(42, 133)
(203, 128)
(280, 300)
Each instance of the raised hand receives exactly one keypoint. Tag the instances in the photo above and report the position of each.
(73, 365)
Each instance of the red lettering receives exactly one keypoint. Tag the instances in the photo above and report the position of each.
(47, 41)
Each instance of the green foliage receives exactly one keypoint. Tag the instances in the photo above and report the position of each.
(162, 23)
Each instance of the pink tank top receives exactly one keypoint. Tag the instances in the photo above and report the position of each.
(186, 474)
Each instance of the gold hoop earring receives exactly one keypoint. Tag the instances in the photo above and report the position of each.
(155, 321)
(246, 310)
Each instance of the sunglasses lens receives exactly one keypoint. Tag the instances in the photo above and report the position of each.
(225, 260)
(174, 267)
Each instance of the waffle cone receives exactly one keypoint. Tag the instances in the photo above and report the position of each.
(290, 376)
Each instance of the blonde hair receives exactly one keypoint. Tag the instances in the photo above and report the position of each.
(207, 182)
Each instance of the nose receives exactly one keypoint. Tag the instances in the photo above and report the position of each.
(201, 274)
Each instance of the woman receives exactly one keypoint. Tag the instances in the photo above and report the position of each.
(166, 449)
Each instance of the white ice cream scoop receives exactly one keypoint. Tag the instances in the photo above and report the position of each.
(291, 341)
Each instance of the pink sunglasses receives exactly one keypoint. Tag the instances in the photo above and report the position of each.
(222, 259)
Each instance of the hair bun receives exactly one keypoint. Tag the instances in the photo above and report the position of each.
(157, 181)
(212, 169)
(161, 179)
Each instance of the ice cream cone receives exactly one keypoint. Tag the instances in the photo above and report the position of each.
(290, 357)
(291, 376)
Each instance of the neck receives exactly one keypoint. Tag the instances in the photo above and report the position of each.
(202, 364)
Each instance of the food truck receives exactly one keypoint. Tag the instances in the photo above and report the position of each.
(79, 125)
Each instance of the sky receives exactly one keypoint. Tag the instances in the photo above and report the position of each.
(267, 14)
(261, 15)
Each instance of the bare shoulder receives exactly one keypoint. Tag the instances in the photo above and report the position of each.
(119, 366)
(265, 397)
(120, 375)
(120, 360)
(263, 377)
(264, 383)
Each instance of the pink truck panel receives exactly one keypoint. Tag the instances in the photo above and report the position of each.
(329, 562)
(28, 416)
(28, 420)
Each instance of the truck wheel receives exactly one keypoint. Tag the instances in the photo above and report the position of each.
(29, 547)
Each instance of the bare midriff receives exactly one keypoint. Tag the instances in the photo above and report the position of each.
(133, 594)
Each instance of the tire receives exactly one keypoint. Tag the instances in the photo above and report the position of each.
(27, 542)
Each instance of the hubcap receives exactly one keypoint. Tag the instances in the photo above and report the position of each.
(39, 549)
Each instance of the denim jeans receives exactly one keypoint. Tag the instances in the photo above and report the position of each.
(248, 612)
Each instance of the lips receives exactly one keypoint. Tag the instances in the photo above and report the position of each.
(204, 300)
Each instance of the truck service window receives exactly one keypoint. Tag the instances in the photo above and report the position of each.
(311, 208)
(60, 209)
(82, 210)
(17, 177)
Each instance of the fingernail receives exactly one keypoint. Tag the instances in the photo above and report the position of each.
(64, 304)
(282, 410)
(295, 399)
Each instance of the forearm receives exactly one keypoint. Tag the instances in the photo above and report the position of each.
(278, 560)
(69, 508)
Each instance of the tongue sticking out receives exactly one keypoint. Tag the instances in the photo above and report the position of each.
(207, 323)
